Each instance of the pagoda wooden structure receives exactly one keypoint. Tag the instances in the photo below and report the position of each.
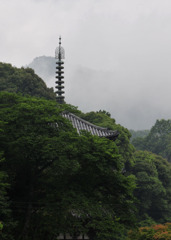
(77, 122)
(59, 55)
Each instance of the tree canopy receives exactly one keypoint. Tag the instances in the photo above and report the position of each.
(60, 181)
(103, 119)
(138, 133)
(158, 139)
(153, 174)
(54, 181)
(24, 81)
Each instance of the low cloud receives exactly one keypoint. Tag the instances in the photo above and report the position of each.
(123, 47)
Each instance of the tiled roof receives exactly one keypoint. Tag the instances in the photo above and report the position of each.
(80, 124)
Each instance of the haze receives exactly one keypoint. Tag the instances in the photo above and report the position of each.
(118, 52)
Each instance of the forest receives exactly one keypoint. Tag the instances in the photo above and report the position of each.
(54, 181)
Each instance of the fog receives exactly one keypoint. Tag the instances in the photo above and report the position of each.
(118, 52)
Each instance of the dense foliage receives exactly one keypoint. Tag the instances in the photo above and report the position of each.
(138, 133)
(103, 119)
(153, 174)
(24, 81)
(5, 212)
(59, 181)
(54, 181)
(158, 140)
(154, 232)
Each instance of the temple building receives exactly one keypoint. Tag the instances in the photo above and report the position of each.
(77, 122)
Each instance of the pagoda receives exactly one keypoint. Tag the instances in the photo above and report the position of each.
(77, 122)
(59, 55)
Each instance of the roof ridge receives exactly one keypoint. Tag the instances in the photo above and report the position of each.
(91, 124)
(81, 124)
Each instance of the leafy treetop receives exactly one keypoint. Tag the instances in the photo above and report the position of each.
(158, 140)
(60, 181)
(24, 81)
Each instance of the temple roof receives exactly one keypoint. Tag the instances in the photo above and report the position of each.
(81, 124)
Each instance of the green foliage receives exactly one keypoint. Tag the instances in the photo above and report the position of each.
(99, 118)
(61, 182)
(103, 119)
(1, 226)
(153, 175)
(6, 222)
(139, 143)
(24, 81)
(158, 140)
(138, 133)
(32, 142)
(99, 193)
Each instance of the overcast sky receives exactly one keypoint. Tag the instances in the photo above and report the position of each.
(118, 52)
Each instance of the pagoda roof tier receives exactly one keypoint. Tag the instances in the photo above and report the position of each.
(59, 82)
(81, 124)
(59, 62)
(60, 97)
(59, 91)
(59, 67)
(59, 77)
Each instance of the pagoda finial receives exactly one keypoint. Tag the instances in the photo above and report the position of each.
(59, 55)
(59, 52)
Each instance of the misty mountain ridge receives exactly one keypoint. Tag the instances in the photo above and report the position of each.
(44, 67)
(132, 104)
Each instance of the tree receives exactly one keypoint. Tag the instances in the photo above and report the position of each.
(158, 139)
(103, 119)
(6, 222)
(153, 175)
(61, 182)
(34, 136)
(24, 81)
(138, 133)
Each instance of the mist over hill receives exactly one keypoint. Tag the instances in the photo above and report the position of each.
(45, 68)
(133, 104)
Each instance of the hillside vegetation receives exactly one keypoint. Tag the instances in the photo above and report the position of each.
(24, 81)
(138, 133)
(54, 181)
(158, 140)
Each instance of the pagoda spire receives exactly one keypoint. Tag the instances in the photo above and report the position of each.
(59, 55)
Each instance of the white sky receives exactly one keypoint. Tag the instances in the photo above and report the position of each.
(125, 43)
